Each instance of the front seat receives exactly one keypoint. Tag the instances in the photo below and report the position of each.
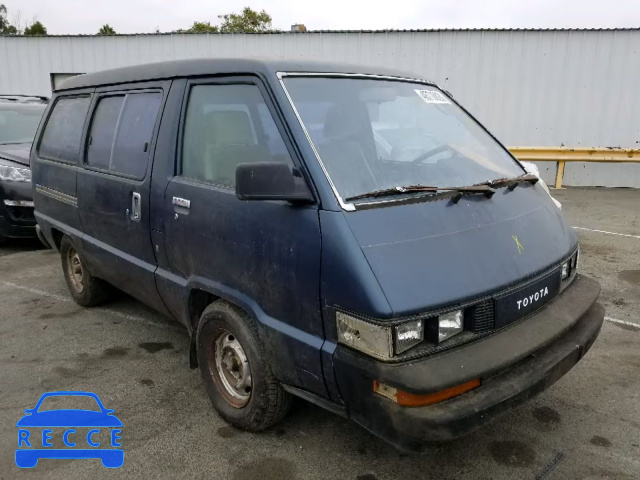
(230, 141)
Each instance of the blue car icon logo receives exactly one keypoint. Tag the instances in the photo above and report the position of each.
(92, 432)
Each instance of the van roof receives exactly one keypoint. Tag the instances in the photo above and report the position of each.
(213, 66)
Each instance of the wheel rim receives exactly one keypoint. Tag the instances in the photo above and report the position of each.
(74, 269)
(231, 369)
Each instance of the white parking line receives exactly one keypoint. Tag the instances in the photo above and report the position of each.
(622, 322)
(42, 293)
(609, 233)
(115, 313)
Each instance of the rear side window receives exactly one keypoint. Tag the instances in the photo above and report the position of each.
(103, 131)
(61, 137)
(135, 129)
(121, 133)
(226, 125)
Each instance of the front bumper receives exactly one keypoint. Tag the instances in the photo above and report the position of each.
(513, 365)
(16, 221)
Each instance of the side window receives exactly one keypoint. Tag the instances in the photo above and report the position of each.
(121, 132)
(61, 137)
(226, 125)
(135, 130)
(103, 130)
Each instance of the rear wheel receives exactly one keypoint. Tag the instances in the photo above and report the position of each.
(85, 289)
(235, 369)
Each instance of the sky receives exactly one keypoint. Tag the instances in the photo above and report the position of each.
(144, 16)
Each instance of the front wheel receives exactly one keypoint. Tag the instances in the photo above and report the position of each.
(85, 289)
(235, 369)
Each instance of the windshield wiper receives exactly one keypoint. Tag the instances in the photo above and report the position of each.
(484, 189)
(512, 182)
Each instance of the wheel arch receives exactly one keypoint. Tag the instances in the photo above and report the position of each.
(200, 297)
(56, 235)
(284, 345)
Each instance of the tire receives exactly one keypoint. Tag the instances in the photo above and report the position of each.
(85, 289)
(221, 329)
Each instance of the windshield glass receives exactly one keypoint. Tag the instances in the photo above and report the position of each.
(19, 122)
(378, 134)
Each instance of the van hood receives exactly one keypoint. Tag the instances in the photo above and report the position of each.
(436, 253)
(16, 152)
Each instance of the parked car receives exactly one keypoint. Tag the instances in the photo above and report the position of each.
(19, 119)
(420, 296)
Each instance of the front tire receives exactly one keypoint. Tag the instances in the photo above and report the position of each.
(235, 369)
(85, 289)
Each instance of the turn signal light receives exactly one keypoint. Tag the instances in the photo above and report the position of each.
(420, 400)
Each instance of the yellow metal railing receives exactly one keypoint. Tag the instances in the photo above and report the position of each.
(566, 154)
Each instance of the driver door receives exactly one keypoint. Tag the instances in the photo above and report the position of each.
(264, 255)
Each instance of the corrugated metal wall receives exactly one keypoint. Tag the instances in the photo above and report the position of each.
(530, 87)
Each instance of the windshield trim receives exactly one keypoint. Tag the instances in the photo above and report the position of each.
(349, 207)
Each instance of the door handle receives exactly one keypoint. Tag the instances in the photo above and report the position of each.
(135, 207)
(181, 202)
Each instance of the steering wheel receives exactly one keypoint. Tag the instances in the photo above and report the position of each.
(430, 153)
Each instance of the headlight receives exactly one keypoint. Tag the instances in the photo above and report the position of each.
(565, 271)
(449, 324)
(385, 341)
(409, 335)
(569, 270)
(14, 174)
(381, 341)
(367, 337)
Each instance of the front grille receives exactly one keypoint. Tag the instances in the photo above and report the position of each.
(480, 318)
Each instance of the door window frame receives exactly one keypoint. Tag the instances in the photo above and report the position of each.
(274, 111)
(116, 91)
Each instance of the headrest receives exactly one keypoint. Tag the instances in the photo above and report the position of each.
(229, 127)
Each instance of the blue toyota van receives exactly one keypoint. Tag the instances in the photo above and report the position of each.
(346, 235)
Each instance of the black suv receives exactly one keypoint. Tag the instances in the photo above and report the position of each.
(19, 119)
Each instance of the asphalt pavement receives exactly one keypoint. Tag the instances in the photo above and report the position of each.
(587, 426)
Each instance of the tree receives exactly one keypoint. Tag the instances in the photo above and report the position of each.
(36, 28)
(200, 27)
(106, 29)
(4, 23)
(5, 27)
(249, 21)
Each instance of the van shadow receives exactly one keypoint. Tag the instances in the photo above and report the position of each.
(9, 246)
(495, 444)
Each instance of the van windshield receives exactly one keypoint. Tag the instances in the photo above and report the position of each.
(374, 135)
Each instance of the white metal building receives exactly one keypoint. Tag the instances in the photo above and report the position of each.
(576, 88)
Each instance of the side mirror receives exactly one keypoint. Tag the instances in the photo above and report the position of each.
(271, 181)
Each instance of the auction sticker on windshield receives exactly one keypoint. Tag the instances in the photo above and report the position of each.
(432, 96)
